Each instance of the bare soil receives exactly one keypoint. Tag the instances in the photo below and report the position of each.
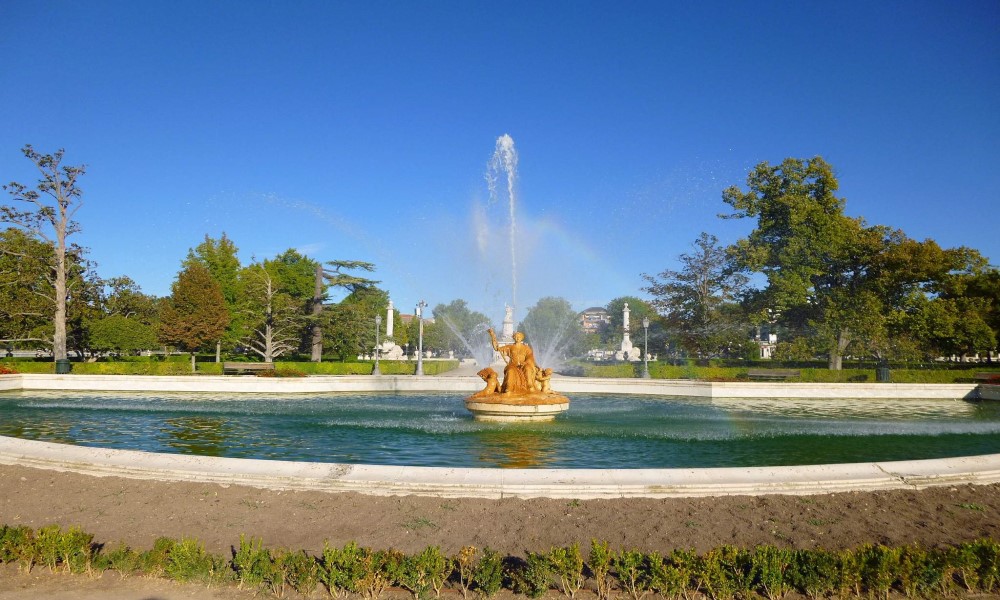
(137, 512)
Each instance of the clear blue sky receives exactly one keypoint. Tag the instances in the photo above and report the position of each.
(361, 130)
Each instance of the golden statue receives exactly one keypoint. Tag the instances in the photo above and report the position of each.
(526, 392)
(519, 374)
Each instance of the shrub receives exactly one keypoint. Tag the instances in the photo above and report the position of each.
(488, 575)
(5, 370)
(187, 560)
(251, 563)
(666, 577)
(425, 571)
(122, 559)
(464, 567)
(340, 568)
(567, 564)
(814, 573)
(601, 557)
(633, 573)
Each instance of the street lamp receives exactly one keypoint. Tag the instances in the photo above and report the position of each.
(420, 338)
(378, 323)
(645, 351)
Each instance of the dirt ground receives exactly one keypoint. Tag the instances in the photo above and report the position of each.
(138, 512)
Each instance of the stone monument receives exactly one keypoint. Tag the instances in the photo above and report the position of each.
(627, 351)
(389, 349)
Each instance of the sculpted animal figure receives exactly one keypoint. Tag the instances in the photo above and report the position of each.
(492, 381)
(543, 380)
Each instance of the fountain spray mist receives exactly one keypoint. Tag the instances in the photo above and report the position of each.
(504, 161)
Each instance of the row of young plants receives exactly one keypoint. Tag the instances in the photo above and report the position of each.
(723, 573)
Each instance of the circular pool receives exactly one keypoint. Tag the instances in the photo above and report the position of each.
(601, 431)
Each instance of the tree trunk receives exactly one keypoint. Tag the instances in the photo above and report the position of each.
(317, 310)
(837, 353)
(59, 336)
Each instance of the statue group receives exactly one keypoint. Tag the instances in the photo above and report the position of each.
(521, 374)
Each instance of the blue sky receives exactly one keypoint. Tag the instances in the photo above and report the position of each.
(362, 130)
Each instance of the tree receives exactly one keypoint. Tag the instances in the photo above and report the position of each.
(349, 325)
(700, 301)
(274, 318)
(334, 277)
(462, 330)
(117, 333)
(49, 217)
(123, 297)
(195, 315)
(220, 258)
(847, 282)
(25, 289)
(553, 330)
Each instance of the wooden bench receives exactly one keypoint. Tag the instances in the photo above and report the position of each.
(987, 377)
(772, 374)
(238, 368)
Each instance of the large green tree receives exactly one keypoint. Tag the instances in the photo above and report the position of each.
(334, 274)
(274, 318)
(195, 316)
(25, 289)
(46, 213)
(827, 273)
(553, 330)
(349, 326)
(461, 330)
(700, 301)
(220, 257)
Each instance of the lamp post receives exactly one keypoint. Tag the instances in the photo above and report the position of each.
(378, 323)
(645, 350)
(420, 337)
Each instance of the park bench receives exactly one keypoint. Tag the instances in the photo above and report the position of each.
(771, 374)
(987, 377)
(238, 368)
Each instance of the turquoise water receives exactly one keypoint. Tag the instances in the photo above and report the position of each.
(434, 429)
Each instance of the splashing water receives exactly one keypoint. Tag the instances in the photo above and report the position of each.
(504, 161)
(479, 346)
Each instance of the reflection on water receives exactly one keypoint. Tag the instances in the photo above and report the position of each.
(599, 431)
(513, 449)
(204, 436)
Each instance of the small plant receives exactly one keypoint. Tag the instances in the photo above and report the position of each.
(633, 573)
(665, 577)
(601, 558)
(488, 575)
(188, 561)
(340, 568)
(76, 550)
(768, 568)
(303, 572)
(532, 579)
(879, 565)
(814, 572)
(47, 540)
(567, 563)
(153, 562)
(378, 570)
(18, 543)
(464, 566)
(252, 563)
(425, 571)
(123, 559)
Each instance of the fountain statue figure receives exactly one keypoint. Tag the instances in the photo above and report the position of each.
(526, 392)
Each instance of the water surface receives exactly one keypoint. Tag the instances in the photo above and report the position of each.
(434, 429)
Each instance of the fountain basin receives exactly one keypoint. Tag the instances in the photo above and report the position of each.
(523, 408)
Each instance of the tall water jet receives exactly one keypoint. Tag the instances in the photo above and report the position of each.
(504, 162)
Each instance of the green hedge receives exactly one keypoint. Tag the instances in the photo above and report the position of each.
(871, 571)
(154, 366)
(660, 370)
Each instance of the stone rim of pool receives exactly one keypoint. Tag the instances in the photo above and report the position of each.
(495, 482)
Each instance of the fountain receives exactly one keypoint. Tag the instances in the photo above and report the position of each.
(525, 394)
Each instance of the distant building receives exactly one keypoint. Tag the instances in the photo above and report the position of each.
(593, 318)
